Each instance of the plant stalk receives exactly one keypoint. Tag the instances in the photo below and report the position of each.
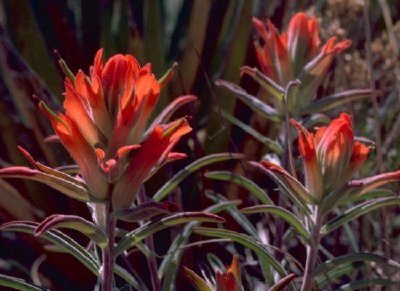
(108, 252)
(312, 251)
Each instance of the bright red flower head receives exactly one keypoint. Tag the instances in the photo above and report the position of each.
(330, 155)
(104, 126)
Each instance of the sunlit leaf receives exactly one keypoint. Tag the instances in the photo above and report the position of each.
(253, 102)
(66, 187)
(189, 169)
(289, 217)
(273, 145)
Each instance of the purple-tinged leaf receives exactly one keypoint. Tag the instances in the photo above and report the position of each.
(337, 99)
(266, 83)
(72, 222)
(49, 170)
(72, 190)
(282, 283)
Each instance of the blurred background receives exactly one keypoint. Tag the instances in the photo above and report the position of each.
(210, 40)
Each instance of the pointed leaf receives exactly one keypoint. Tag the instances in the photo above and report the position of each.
(296, 191)
(66, 187)
(266, 83)
(17, 284)
(246, 183)
(196, 280)
(338, 99)
(357, 211)
(72, 222)
(148, 229)
(50, 171)
(234, 213)
(273, 145)
(289, 217)
(253, 102)
(59, 239)
(196, 165)
(265, 258)
(145, 211)
(124, 274)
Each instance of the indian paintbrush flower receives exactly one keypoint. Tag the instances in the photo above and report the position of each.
(104, 127)
(330, 157)
(295, 54)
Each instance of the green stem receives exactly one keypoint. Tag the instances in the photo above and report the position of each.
(312, 250)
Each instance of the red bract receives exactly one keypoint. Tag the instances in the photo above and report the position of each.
(231, 279)
(104, 126)
(330, 155)
(284, 56)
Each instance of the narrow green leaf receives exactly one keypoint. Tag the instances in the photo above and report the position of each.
(253, 102)
(196, 165)
(234, 213)
(289, 217)
(124, 274)
(353, 258)
(271, 144)
(266, 83)
(144, 231)
(265, 258)
(73, 222)
(337, 99)
(246, 183)
(17, 284)
(357, 211)
(59, 239)
(295, 190)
